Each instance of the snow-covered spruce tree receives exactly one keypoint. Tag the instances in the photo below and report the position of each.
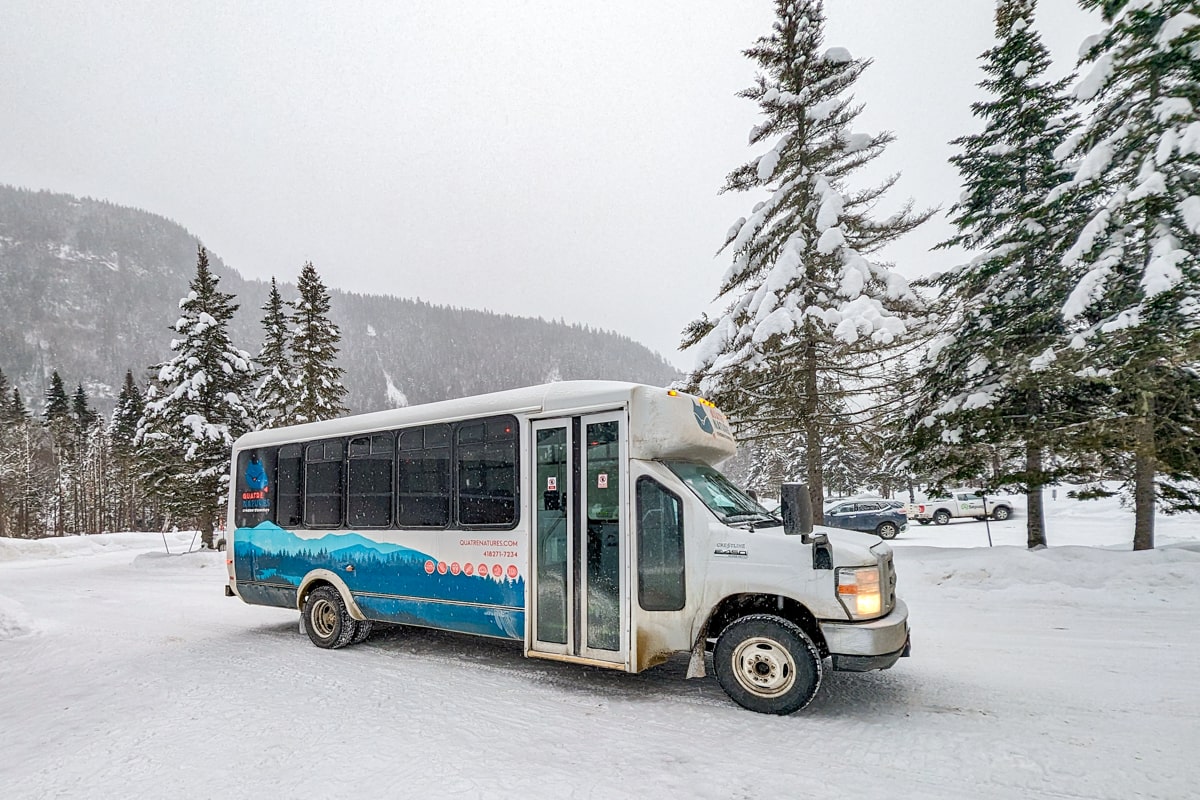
(27, 495)
(59, 425)
(82, 412)
(807, 313)
(894, 470)
(274, 395)
(316, 377)
(88, 453)
(772, 461)
(10, 454)
(1136, 252)
(197, 404)
(989, 380)
(58, 406)
(122, 433)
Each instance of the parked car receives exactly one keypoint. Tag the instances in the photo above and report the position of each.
(880, 517)
(961, 503)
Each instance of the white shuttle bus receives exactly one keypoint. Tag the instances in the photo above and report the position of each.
(584, 519)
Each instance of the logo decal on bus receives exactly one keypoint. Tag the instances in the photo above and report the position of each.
(256, 474)
(702, 417)
(731, 550)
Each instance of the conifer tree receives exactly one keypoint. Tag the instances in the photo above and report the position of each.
(127, 412)
(86, 457)
(4, 391)
(771, 461)
(807, 311)
(17, 410)
(24, 447)
(58, 407)
(122, 432)
(989, 380)
(9, 459)
(61, 427)
(82, 413)
(1136, 250)
(197, 404)
(316, 377)
(274, 397)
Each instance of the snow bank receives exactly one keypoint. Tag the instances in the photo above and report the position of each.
(14, 621)
(1169, 568)
(161, 561)
(71, 546)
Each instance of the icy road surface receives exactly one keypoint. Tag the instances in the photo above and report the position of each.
(1068, 673)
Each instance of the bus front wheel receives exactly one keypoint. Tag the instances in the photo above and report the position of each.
(326, 620)
(767, 664)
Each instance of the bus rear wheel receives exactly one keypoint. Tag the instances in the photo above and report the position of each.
(767, 664)
(326, 620)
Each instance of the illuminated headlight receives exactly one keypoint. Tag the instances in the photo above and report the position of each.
(858, 591)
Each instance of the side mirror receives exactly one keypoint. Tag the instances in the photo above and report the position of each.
(796, 508)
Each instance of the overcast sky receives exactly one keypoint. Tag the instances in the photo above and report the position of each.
(549, 158)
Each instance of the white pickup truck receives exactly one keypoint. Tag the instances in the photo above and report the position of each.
(960, 503)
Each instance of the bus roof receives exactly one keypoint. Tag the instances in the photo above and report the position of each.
(563, 398)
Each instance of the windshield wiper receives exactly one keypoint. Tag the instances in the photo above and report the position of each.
(752, 517)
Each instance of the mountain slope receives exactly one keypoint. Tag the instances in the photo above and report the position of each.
(90, 288)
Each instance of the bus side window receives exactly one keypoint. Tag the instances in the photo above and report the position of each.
(324, 482)
(255, 490)
(660, 548)
(485, 453)
(289, 482)
(369, 481)
(423, 477)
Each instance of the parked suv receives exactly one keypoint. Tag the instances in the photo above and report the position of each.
(961, 503)
(880, 517)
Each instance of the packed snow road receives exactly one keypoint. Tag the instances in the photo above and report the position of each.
(1067, 673)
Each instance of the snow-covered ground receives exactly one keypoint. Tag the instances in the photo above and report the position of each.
(1066, 673)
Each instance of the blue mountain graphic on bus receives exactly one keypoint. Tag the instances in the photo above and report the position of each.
(702, 417)
(270, 554)
(268, 536)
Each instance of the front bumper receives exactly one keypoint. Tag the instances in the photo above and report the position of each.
(875, 644)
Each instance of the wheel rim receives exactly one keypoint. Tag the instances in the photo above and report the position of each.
(324, 618)
(764, 667)
(887, 531)
(1002, 513)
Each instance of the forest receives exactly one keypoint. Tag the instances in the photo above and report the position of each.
(1067, 349)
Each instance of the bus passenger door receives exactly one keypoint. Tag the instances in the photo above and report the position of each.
(579, 593)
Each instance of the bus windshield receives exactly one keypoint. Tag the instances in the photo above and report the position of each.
(731, 505)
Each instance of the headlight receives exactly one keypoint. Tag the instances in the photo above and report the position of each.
(858, 591)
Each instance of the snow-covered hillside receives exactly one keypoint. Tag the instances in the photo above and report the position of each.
(1065, 673)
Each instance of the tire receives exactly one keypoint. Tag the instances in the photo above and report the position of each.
(326, 620)
(941, 517)
(362, 630)
(887, 530)
(767, 664)
(923, 521)
(1001, 513)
